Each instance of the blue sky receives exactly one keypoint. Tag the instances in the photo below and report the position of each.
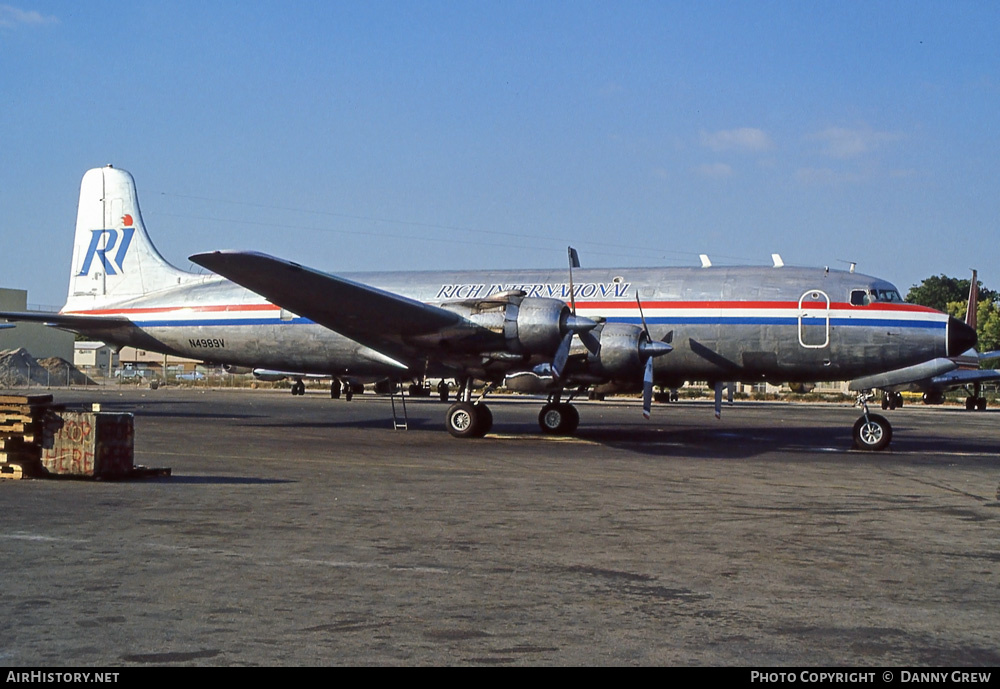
(393, 135)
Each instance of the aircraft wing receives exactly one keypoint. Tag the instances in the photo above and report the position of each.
(904, 376)
(965, 376)
(381, 320)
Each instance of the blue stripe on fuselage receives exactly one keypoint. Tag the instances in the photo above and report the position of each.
(653, 320)
(765, 320)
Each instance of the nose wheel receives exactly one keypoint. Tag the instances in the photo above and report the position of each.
(872, 432)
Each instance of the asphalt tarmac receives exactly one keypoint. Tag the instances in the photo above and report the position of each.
(306, 531)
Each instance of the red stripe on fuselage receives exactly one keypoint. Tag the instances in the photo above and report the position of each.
(167, 309)
(707, 305)
(912, 308)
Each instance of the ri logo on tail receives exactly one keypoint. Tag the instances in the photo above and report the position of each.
(103, 242)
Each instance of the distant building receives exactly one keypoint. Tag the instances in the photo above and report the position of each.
(141, 358)
(89, 356)
(41, 341)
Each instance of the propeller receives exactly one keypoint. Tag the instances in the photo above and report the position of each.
(574, 325)
(650, 349)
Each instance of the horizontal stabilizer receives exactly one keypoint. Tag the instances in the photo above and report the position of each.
(75, 323)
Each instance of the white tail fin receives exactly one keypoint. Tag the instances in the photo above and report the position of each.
(113, 258)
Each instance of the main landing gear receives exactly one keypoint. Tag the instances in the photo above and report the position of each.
(891, 400)
(975, 401)
(872, 432)
(468, 419)
(558, 418)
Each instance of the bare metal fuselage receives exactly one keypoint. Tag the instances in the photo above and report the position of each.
(740, 323)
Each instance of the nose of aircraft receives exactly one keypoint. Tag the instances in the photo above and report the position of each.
(961, 337)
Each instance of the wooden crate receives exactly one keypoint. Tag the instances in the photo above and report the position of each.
(95, 444)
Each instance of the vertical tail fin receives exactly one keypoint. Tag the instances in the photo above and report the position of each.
(970, 310)
(113, 257)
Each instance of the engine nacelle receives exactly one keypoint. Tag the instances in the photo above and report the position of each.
(269, 376)
(536, 325)
(236, 370)
(619, 355)
(533, 325)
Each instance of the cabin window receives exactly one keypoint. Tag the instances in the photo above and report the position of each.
(886, 296)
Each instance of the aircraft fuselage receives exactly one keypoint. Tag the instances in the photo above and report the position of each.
(725, 323)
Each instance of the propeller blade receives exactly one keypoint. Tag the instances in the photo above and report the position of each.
(642, 315)
(574, 262)
(592, 344)
(647, 388)
(562, 355)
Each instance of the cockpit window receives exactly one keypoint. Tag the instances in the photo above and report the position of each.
(863, 297)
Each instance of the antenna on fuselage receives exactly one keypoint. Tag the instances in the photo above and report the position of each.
(778, 263)
(705, 262)
(852, 264)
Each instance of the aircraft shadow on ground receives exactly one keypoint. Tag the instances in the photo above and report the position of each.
(728, 442)
(748, 442)
(370, 424)
(219, 480)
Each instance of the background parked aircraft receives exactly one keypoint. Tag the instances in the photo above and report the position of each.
(936, 377)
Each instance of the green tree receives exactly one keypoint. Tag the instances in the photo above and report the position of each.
(989, 328)
(938, 291)
(934, 289)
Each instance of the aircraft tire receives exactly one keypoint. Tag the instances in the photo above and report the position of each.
(558, 419)
(872, 434)
(550, 419)
(970, 403)
(463, 420)
(572, 419)
(484, 419)
(981, 404)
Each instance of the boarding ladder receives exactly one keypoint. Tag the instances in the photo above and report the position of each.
(398, 424)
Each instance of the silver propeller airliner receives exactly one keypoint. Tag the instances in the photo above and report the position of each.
(545, 331)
